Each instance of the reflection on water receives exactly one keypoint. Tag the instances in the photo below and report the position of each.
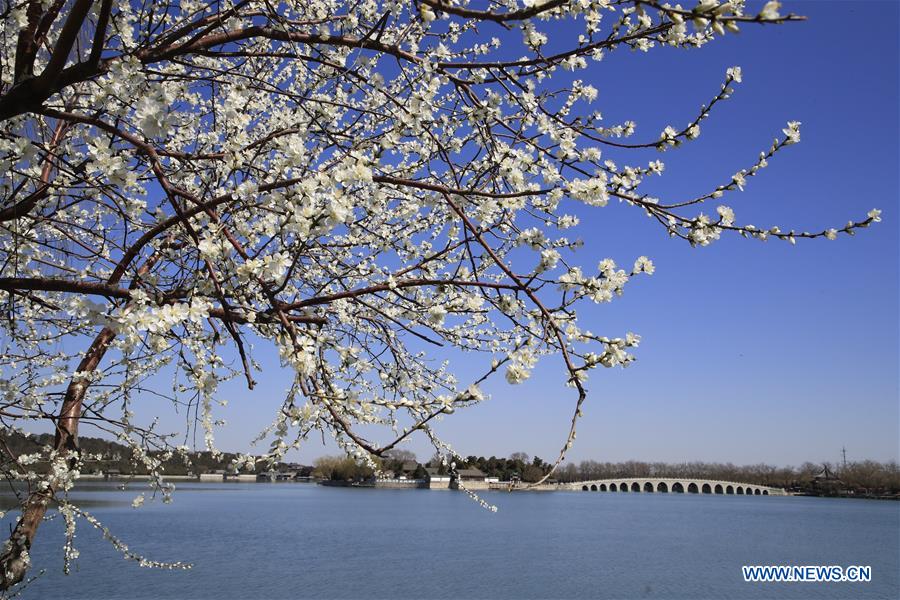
(297, 540)
(88, 494)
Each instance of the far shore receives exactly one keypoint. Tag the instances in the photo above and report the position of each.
(416, 484)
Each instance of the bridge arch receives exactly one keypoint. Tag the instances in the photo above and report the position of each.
(637, 485)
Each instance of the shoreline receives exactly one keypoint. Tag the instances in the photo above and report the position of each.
(424, 484)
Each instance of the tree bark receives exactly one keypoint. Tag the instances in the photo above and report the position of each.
(15, 558)
(15, 561)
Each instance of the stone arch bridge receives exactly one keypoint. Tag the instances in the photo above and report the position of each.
(675, 485)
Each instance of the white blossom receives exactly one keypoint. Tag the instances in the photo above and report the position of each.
(644, 265)
(770, 10)
(792, 131)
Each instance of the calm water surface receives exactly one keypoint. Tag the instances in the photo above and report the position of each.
(306, 541)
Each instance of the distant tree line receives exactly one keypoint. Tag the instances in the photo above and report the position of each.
(115, 456)
(341, 468)
(867, 474)
(404, 463)
(394, 463)
(518, 466)
(870, 474)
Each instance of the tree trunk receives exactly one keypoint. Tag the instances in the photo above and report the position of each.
(15, 559)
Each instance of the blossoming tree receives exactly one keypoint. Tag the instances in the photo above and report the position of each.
(365, 185)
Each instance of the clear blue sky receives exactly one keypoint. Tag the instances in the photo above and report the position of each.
(752, 352)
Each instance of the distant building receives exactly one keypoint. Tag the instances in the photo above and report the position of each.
(299, 470)
(471, 478)
(436, 479)
(213, 476)
(825, 476)
(826, 482)
(269, 476)
(474, 479)
(471, 475)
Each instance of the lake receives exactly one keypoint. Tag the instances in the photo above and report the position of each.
(293, 540)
